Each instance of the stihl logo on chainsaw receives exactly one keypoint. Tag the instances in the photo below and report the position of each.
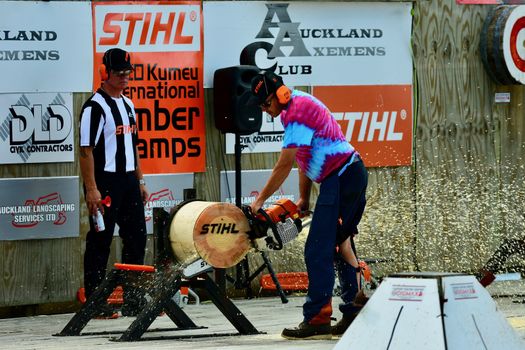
(275, 226)
(220, 228)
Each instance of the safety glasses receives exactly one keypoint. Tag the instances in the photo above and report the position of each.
(122, 73)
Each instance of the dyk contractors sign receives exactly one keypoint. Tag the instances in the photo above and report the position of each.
(36, 128)
(39, 208)
(46, 46)
(165, 42)
(358, 63)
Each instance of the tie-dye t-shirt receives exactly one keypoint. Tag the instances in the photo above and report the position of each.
(310, 127)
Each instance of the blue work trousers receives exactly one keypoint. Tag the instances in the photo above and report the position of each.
(341, 196)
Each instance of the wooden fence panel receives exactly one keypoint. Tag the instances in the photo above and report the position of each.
(456, 155)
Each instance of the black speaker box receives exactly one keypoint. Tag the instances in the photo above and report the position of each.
(231, 91)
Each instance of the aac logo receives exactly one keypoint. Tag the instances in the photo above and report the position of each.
(288, 36)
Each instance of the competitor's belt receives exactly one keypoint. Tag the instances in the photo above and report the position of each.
(353, 159)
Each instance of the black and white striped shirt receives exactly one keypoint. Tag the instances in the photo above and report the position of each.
(109, 125)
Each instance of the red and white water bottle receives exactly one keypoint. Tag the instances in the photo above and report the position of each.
(98, 218)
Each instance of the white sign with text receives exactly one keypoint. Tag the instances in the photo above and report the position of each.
(36, 128)
(46, 46)
(311, 43)
(39, 208)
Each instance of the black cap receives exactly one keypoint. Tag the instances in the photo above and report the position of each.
(117, 59)
(263, 85)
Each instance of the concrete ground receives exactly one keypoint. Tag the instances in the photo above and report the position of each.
(268, 315)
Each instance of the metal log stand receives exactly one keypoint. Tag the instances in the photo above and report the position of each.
(161, 286)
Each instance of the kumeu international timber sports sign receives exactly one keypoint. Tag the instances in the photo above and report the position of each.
(166, 46)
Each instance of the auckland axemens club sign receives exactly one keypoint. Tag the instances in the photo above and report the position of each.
(290, 37)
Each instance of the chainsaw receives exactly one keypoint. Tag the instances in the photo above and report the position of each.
(275, 226)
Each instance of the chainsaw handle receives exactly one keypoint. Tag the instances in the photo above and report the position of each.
(267, 217)
(305, 213)
(247, 210)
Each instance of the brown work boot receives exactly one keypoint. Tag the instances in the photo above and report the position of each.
(308, 331)
(360, 299)
(340, 327)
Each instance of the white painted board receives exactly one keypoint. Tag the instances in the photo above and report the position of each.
(404, 313)
(472, 319)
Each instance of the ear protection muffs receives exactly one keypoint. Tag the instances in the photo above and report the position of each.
(103, 68)
(283, 94)
(282, 91)
(103, 72)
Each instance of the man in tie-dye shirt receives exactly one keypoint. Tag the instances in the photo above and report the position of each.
(313, 138)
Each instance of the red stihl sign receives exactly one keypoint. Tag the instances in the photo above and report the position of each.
(165, 43)
(376, 119)
(149, 26)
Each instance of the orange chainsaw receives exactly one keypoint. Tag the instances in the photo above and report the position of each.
(274, 226)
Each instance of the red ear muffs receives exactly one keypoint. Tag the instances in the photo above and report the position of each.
(283, 94)
(103, 72)
(103, 68)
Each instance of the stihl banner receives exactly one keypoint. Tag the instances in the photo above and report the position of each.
(165, 43)
(377, 120)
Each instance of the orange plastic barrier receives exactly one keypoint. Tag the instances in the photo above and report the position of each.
(131, 267)
(299, 280)
(287, 280)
